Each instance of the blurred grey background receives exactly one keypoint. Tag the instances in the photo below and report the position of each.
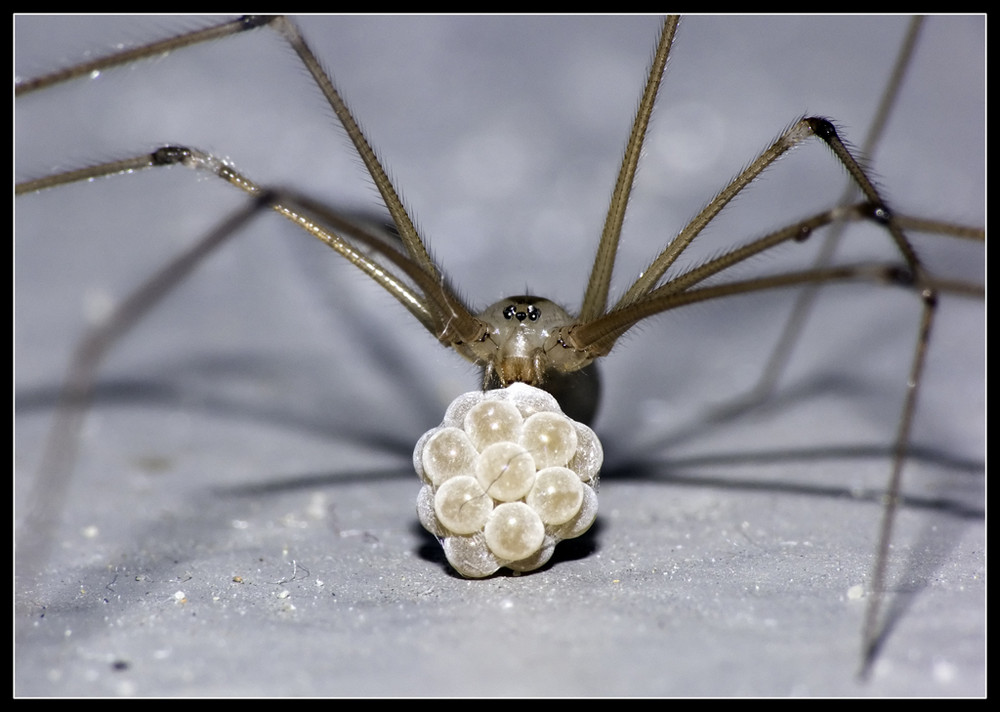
(241, 518)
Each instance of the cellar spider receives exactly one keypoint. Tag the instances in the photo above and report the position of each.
(212, 424)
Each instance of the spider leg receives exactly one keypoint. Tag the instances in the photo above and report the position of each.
(431, 302)
(596, 297)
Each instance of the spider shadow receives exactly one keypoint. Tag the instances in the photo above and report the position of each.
(162, 555)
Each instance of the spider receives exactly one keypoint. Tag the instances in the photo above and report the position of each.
(630, 425)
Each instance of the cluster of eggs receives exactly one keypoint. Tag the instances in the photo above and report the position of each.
(506, 477)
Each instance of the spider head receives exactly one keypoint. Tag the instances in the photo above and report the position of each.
(520, 327)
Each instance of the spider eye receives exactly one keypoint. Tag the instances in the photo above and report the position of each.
(530, 312)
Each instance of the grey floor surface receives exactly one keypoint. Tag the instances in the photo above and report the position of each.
(241, 516)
